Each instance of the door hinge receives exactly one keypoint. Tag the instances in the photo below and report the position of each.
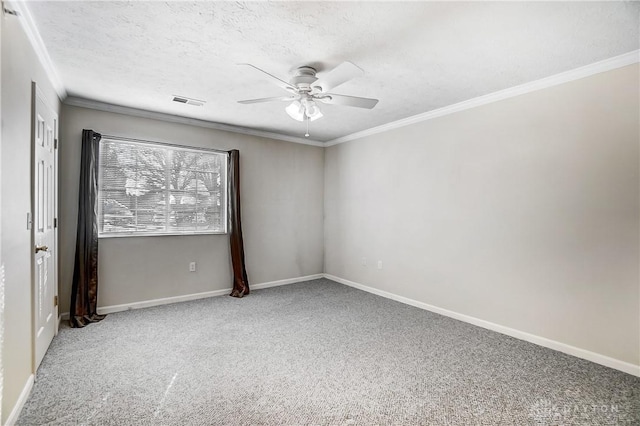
(55, 300)
(55, 143)
(55, 222)
(7, 11)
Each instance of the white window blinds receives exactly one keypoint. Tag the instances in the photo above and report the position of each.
(156, 189)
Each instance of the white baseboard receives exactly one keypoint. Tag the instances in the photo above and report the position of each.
(285, 282)
(195, 296)
(532, 338)
(22, 399)
(163, 301)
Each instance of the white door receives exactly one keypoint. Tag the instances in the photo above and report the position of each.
(45, 123)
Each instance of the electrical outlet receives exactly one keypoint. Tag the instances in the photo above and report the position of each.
(379, 264)
(192, 267)
(364, 261)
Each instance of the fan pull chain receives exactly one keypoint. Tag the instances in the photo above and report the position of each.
(306, 135)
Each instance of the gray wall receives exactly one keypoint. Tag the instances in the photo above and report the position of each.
(523, 212)
(20, 67)
(282, 206)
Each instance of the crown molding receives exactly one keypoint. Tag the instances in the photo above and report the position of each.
(620, 61)
(119, 109)
(31, 30)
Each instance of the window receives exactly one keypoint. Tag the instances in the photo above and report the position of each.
(157, 189)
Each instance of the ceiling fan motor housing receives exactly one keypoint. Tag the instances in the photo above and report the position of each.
(304, 77)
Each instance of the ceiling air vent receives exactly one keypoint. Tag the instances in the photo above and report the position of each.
(188, 101)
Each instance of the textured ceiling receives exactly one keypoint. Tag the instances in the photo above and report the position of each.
(417, 56)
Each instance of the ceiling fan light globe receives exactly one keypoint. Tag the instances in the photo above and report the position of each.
(315, 116)
(312, 111)
(296, 111)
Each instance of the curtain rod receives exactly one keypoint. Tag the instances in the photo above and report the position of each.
(122, 138)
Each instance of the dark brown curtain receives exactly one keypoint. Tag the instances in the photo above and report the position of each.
(240, 281)
(84, 291)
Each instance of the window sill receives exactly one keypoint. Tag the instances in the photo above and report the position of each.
(164, 234)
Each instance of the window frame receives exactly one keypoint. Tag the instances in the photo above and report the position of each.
(224, 189)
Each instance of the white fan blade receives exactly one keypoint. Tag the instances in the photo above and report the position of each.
(340, 74)
(353, 101)
(277, 98)
(274, 79)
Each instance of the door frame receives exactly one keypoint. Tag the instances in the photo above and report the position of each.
(36, 94)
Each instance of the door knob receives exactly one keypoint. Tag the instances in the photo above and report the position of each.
(42, 248)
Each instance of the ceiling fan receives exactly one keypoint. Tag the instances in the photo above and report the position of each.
(306, 90)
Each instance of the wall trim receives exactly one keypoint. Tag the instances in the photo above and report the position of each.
(22, 399)
(194, 296)
(136, 112)
(31, 30)
(609, 64)
(158, 302)
(531, 338)
(286, 281)
(619, 61)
